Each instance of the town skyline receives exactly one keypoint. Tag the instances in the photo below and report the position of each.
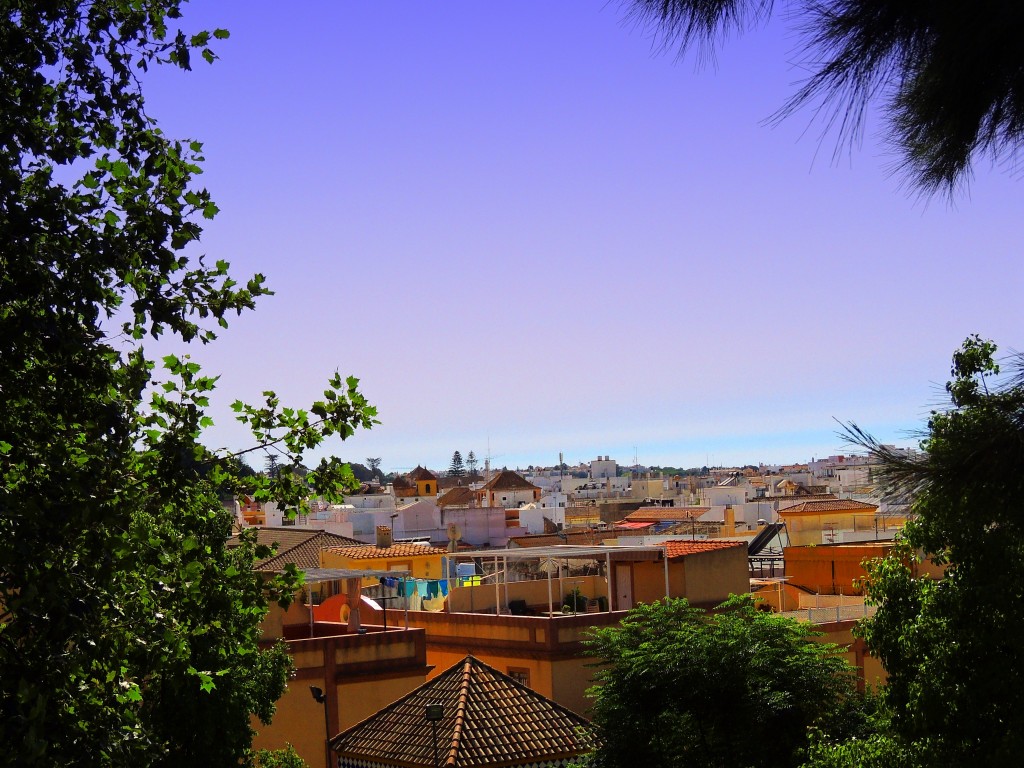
(557, 239)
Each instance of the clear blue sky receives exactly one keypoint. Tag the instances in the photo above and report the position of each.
(520, 225)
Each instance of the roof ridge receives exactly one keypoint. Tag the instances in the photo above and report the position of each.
(460, 710)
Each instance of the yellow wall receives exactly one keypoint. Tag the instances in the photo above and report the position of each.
(570, 679)
(703, 578)
(299, 721)
(712, 576)
(779, 595)
(277, 617)
(534, 592)
(368, 672)
(807, 527)
(831, 569)
(834, 568)
(426, 566)
(549, 649)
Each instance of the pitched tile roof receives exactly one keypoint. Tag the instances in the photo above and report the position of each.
(665, 514)
(459, 496)
(507, 480)
(370, 551)
(294, 545)
(421, 473)
(489, 720)
(795, 497)
(679, 549)
(832, 505)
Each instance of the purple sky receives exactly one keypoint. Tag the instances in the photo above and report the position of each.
(519, 225)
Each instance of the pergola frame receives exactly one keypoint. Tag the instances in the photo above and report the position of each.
(566, 552)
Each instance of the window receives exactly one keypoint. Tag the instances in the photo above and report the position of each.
(520, 674)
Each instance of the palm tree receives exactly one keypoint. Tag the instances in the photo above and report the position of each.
(948, 76)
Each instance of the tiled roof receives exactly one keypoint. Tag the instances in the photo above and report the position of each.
(369, 551)
(421, 473)
(488, 720)
(507, 480)
(458, 496)
(679, 549)
(295, 545)
(795, 497)
(665, 514)
(833, 505)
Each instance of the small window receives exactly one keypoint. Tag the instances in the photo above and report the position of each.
(520, 674)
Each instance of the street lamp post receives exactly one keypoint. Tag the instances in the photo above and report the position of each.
(433, 715)
(321, 698)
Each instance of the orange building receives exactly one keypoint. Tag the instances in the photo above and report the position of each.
(358, 670)
(519, 627)
(829, 520)
(836, 569)
(420, 483)
(420, 561)
(471, 715)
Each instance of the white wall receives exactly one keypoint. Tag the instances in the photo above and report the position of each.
(603, 467)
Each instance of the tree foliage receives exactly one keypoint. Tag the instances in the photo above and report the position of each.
(128, 630)
(374, 464)
(948, 79)
(737, 687)
(456, 468)
(954, 649)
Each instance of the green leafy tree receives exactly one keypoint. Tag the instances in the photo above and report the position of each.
(678, 686)
(954, 648)
(456, 468)
(129, 632)
(280, 758)
(272, 466)
(949, 81)
(374, 465)
(471, 463)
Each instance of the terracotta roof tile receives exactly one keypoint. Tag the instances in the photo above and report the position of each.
(460, 496)
(294, 545)
(489, 719)
(679, 549)
(507, 480)
(370, 551)
(829, 505)
(421, 473)
(796, 498)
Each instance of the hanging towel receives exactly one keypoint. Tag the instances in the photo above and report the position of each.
(410, 588)
(443, 584)
(421, 589)
(432, 589)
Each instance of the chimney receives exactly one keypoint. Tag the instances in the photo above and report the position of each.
(729, 529)
(383, 536)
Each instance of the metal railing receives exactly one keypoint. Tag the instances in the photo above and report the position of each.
(833, 613)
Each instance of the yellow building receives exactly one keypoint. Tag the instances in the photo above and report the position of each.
(827, 521)
(357, 673)
(420, 483)
(519, 628)
(422, 562)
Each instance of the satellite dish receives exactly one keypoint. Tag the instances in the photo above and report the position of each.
(454, 534)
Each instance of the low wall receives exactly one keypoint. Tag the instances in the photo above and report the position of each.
(484, 598)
